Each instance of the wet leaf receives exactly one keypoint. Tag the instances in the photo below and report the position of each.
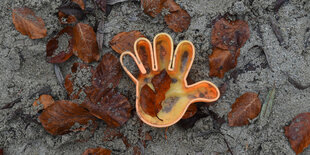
(60, 117)
(246, 107)
(152, 7)
(27, 23)
(59, 48)
(45, 100)
(298, 132)
(71, 9)
(230, 35)
(84, 43)
(221, 61)
(97, 151)
(113, 108)
(124, 41)
(1, 151)
(102, 4)
(190, 112)
(108, 73)
(151, 100)
(178, 19)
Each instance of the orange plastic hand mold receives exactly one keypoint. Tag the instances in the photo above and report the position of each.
(178, 97)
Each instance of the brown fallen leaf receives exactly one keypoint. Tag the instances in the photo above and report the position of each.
(97, 151)
(221, 61)
(1, 151)
(108, 73)
(246, 107)
(298, 132)
(124, 41)
(84, 43)
(230, 35)
(111, 133)
(190, 112)
(62, 116)
(103, 101)
(151, 100)
(178, 19)
(59, 48)
(27, 23)
(137, 150)
(152, 7)
(113, 108)
(45, 100)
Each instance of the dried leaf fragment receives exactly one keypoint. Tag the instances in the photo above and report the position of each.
(60, 117)
(80, 3)
(27, 23)
(229, 35)
(298, 132)
(124, 41)
(151, 100)
(97, 151)
(84, 43)
(221, 61)
(246, 107)
(59, 48)
(178, 19)
(190, 112)
(102, 4)
(45, 100)
(152, 7)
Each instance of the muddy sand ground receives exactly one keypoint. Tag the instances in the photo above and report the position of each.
(24, 70)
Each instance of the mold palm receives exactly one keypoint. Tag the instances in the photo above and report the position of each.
(153, 62)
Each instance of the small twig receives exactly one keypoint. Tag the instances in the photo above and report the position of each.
(278, 4)
(267, 107)
(297, 84)
(59, 75)
(44, 90)
(276, 30)
(112, 2)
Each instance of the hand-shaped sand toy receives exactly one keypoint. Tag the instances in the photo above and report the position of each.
(162, 92)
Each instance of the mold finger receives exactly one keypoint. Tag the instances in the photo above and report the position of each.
(143, 49)
(163, 48)
(183, 58)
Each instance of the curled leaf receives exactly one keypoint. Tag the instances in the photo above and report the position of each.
(151, 100)
(59, 48)
(61, 117)
(229, 35)
(124, 41)
(27, 23)
(152, 7)
(221, 61)
(178, 19)
(45, 100)
(190, 112)
(246, 107)
(113, 108)
(98, 151)
(84, 43)
(70, 12)
(298, 132)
